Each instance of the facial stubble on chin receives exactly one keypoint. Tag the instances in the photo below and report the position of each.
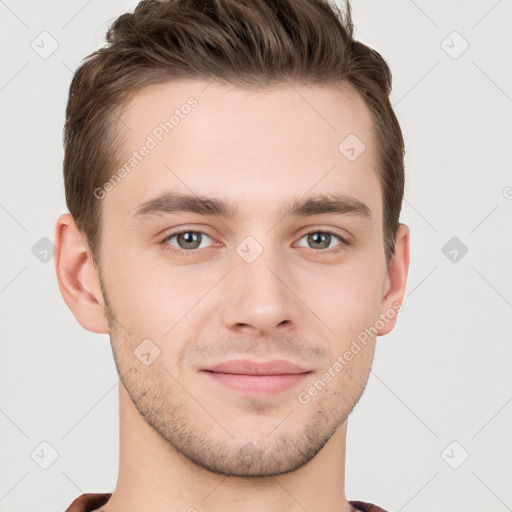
(181, 427)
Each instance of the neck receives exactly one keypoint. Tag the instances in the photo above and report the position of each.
(154, 477)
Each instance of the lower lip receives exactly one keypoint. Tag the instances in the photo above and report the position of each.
(257, 384)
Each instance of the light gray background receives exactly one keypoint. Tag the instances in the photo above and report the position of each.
(444, 373)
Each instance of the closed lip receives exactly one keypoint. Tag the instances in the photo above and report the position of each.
(248, 367)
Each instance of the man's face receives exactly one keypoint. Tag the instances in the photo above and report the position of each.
(259, 285)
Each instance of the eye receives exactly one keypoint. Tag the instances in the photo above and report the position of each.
(187, 241)
(321, 241)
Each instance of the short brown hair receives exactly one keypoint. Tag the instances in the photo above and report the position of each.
(246, 43)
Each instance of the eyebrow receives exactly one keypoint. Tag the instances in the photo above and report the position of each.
(174, 202)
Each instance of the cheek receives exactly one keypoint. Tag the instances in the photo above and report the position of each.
(346, 297)
(153, 296)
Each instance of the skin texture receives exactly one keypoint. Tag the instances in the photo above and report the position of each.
(186, 441)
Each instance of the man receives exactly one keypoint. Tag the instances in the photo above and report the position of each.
(234, 176)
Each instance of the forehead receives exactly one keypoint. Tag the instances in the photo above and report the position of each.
(254, 147)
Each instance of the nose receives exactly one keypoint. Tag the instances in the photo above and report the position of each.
(260, 298)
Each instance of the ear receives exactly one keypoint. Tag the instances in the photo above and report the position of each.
(78, 277)
(396, 279)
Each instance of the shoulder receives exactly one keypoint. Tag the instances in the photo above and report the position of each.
(88, 502)
(366, 507)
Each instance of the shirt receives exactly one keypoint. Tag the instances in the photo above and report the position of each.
(91, 501)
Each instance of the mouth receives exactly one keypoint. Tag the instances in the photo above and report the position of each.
(252, 378)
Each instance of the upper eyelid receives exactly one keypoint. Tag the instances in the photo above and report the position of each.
(338, 232)
(180, 231)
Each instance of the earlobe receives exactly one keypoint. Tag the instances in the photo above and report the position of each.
(78, 277)
(396, 280)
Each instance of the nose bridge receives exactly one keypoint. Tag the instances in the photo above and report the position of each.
(259, 297)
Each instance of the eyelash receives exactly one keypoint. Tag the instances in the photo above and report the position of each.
(193, 252)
